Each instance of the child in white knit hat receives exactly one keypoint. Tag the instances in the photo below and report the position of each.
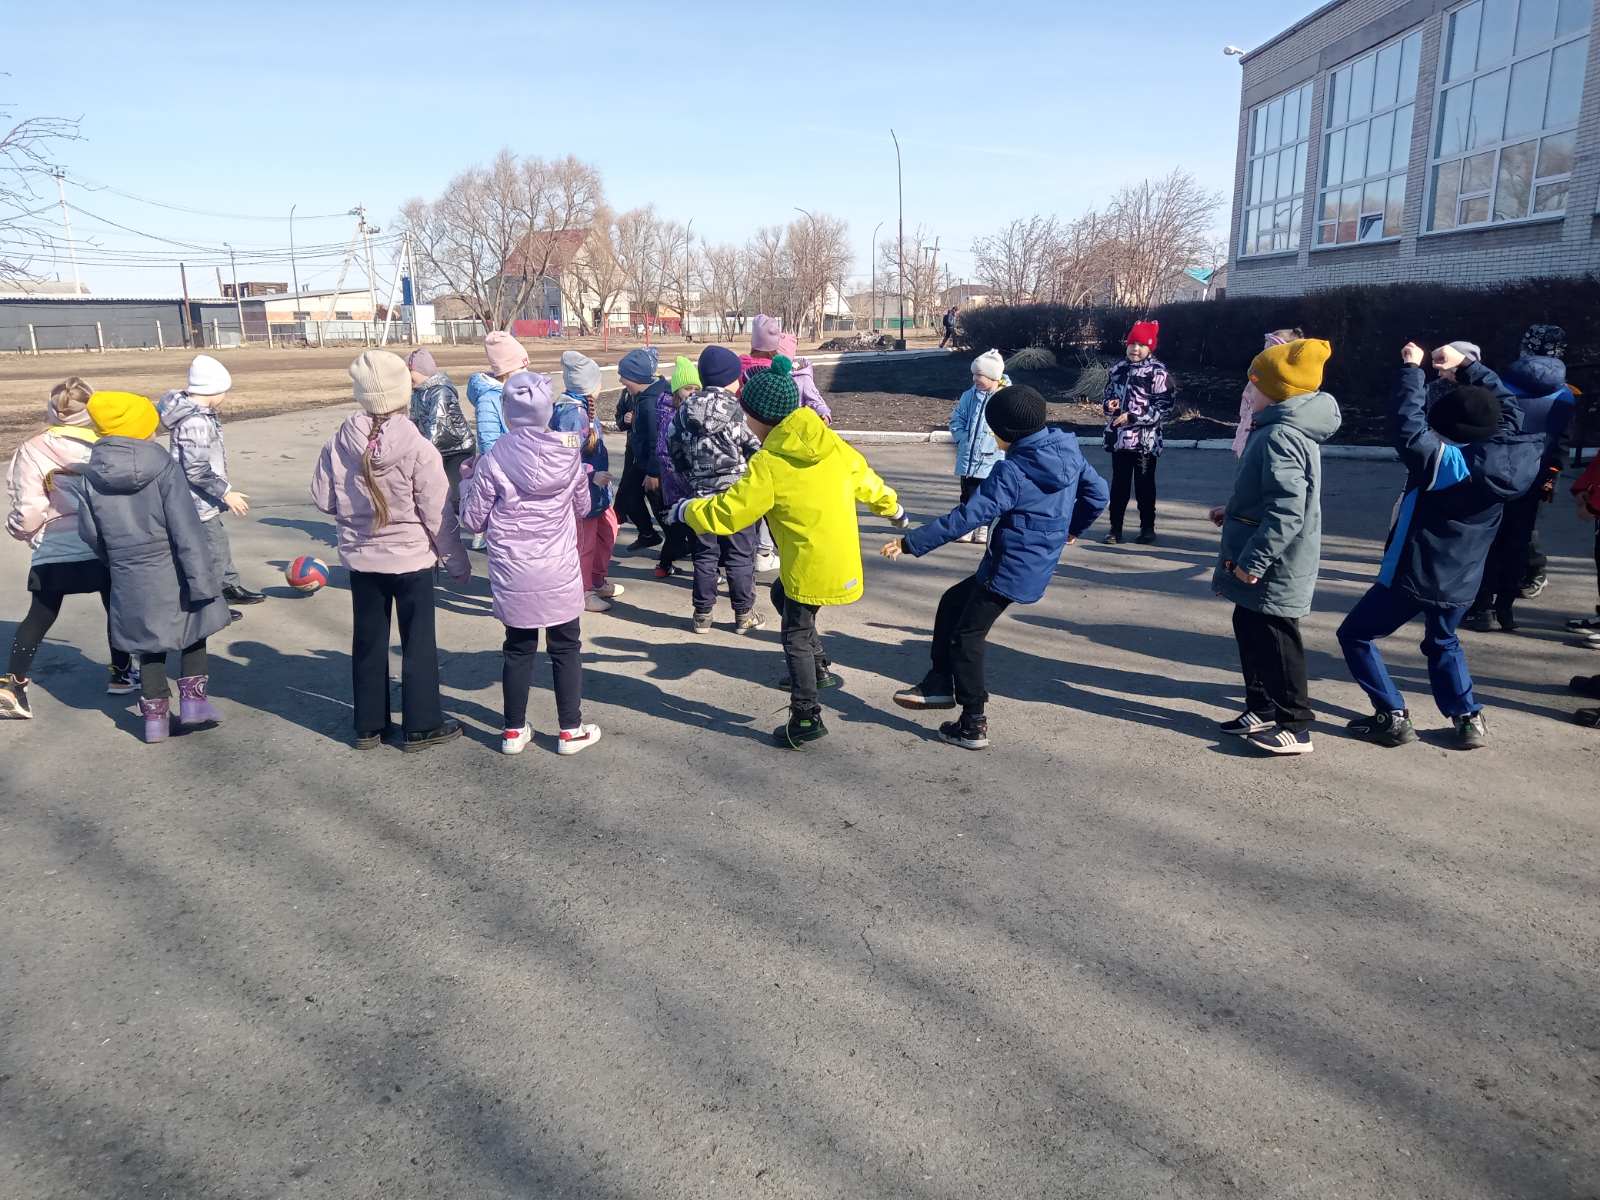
(976, 450)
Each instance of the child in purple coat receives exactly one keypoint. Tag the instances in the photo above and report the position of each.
(527, 495)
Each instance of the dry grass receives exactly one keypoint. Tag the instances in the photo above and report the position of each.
(1032, 358)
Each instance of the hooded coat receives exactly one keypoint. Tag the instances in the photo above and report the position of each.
(136, 514)
(436, 412)
(527, 495)
(1042, 493)
(421, 529)
(1272, 527)
(673, 485)
(1540, 384)
(571, 415)
(806, 481)
(976, 450)
(44, 505)
(194, 434)
(642, 430)
(484, 394)
(709, 441)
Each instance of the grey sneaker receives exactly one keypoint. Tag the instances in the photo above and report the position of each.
(700, 623)
(14, 699)
(745, 622)
(1472, 732)
(1385, 728)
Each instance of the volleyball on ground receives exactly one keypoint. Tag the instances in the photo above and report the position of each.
(307, 574)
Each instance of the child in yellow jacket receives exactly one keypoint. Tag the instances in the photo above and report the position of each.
(806, 481)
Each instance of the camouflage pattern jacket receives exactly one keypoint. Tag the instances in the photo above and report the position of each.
(709, 441)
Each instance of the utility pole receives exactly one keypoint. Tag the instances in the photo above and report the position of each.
(238, 301)
(360, 213)
(190, 333)
(66, 221)
(294, 269)
(900, 190)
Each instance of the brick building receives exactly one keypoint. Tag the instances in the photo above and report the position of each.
(1419, 140)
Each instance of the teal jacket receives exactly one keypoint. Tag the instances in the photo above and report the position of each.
(1273, 523)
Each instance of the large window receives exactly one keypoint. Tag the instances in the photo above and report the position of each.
(1367, 144)
(1275, 173)
(1510, 84)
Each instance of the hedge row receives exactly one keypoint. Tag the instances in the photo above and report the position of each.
(1367, 326)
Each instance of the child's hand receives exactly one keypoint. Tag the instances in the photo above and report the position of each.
(1448, 358)
(1411, 354)
(1120, 421)
(900, 520)
(651, 483)
(468, 466)
(1244, 576)
(893, 549)
(1217, 515)
(602, 479)
(1113, 405)
(237, 503)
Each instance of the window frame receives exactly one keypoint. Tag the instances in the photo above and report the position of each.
(1296, 197)
(1538, 137)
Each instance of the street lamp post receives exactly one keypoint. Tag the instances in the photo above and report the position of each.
(900, 190)
(872, 311)
(822, 303)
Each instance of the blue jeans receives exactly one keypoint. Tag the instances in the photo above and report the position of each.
(1378, 614)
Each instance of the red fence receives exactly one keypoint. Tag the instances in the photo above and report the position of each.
(536, 329)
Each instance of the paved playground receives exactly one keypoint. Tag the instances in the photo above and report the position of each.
(1113, 957)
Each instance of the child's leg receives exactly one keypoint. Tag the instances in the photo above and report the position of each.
(1122, 467)
(968, 639)
(738, 556)
(603, 542)
(1249, 634)
(1448, 674)
(706, 551)
(120, 659)
(371, 604)
(1376, 615)
(1144, 485)
(944, 624)
(802, 649)
(43, 609)
(586, 550)
(421, 710)
(221, 551)
(194, 661)
(516, 674)
(1280, 663)
(565, 644)
(153, 676)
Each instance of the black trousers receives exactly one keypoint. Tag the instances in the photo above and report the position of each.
(1507, 565)
(1538, 561)
(43, 609)
(633, 503)
(1136, 473)
(452, 472)
(802, 647)
(969, 487)
(153, 670)
(677, 540)
(1273, 659)
(373, 597)
(735, 554)
(961, 627)
(564, 644)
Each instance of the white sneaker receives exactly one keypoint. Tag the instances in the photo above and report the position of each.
(594, 602)
(965, 537)
(575, 741)
(479, 542)
(609, 591)
(766, 561)
(515, 741)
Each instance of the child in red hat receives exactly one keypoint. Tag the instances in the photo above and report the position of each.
(1139, 395)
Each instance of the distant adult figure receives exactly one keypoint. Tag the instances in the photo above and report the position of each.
(949, 337)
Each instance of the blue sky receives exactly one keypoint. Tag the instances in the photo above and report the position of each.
(727, 114)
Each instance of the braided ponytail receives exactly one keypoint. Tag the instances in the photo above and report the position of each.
(593, 439)
(380, 505)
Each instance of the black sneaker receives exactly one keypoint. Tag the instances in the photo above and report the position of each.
(370, 741)
(1112, 539)
(1246, 723)
(1533, 587)
(241, 595)
(448, 732)
(1472, 732)
(826, 682)
(1484, 621)
(804, 725)
(1586, 685)
(1147, 538)
(1508, 623)
(970, 732)
(930, 693)
(645, 542)
(124, 681)
(1281, 741)
(1385, 728)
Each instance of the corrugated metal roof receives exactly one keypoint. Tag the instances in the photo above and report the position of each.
(45, 299)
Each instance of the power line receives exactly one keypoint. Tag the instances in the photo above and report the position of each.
(198, 212)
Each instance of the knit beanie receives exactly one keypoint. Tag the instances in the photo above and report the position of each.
(421, 361)
(1547, 340)
(382, 382)
(788, 346)
(69, 401)
(1292, 369)
(526, 402)
(122, 414)
(718, 366)
(639, 365)
(771, 395)
(504, 352)
(1143, 333)
(991, 364)
(684, 374)
(208, 377)
(764, 331)
(1014, 412)
(1467, 350)
(580, 374)
(1466, 414)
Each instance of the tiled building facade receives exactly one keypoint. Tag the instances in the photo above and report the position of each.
(1385, 141)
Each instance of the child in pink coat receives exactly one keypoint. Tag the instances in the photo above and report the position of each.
(528, 495)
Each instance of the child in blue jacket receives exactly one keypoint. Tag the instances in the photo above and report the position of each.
(1039, 498)
(1464, 457)
(976, 451)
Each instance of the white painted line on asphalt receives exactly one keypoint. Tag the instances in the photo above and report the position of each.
(320, 696)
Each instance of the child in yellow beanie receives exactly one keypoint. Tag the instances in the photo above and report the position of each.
(1272, 541)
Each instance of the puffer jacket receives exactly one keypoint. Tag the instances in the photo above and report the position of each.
(484, 394)
(642, 428)
(673, 485)
(1540, 384)
(421, 530)
(804, 376)
(436, 412)
(1145, 392)
(194, 433)
(709, 441)
(806, 481)
(572, 415)
(1454, 495)
(1273, 523)
(137, 515)
(976, 450)
(1042, 493)
(44, 500)
(527, 495)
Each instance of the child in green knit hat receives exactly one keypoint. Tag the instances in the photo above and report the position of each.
(685, 377)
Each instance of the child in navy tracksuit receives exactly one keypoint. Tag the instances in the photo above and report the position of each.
(1041, 496)
(1465, 457)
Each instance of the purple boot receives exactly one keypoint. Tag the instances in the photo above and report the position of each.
(157, 719)
(193, 706)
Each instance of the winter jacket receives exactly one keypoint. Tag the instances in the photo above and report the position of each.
(1587, 487)
(800, 370)
(626, 404)
(709, 441)
(1038, 496)
(571, 415)
(806, 481)
(976, 450)
(1145, 392)
(527, 495)
(1450, 511)
(44, 495)
(484, 394)
(137, 514)
(194, 432)
(1540, 385)
(1273, 523)
(421, 529)
(436, 412)
(673, 485)
(645, 426)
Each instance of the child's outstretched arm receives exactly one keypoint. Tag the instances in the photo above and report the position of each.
(872, 491)
(1421, 449)
(322, 490)
(477, 497)
(740, 507)
(430, 492)
(996, 495)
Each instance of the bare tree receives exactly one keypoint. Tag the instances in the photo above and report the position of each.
(24, 162)
(817, 250)
(675, 253)
(724, 275)
(922, 277)
(591, 278)
(1018, 261)
(1158, 228)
